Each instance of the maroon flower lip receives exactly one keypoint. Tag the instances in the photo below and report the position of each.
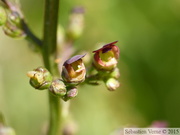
(108, 47)
(73, 59)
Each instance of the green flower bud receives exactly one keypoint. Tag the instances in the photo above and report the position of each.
(3, 16)
(13, 31)
(76, 23)
(71, 93)
(13, 26)
(112, 84)
(58, 88)
(106, 58)
(7, 131)
(14, 18)
(74, 71)
(40, 78)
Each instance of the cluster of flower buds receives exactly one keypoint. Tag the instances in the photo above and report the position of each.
(73, 73)
(105, 61)
(61, 89)
(76, 23)
(11, 20)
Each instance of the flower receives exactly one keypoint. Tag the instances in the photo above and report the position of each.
(106, 58)
(74, 70)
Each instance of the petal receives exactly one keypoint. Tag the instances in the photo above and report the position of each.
(97, 59)
(116, 51)
(106, 47)
(73, 59)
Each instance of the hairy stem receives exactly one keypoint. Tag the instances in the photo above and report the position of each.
(49, 50)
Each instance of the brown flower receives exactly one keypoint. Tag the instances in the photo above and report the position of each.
(106, 58)
(74, 70)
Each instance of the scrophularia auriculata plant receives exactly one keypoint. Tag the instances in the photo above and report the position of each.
(64, 70)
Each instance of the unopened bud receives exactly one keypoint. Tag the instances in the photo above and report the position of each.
(71, 93)
(7, 131)
(106, 58)
(112, 84)
(76, 23)
(14, 18)
(115, 73)
(13, 31)
(13, 26)
(74, 71)
(58, 88)
(40, 78)
(3, 16)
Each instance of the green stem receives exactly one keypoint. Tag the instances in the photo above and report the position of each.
(49, 48)
(50, 30)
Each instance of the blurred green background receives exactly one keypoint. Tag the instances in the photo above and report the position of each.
(148, 32)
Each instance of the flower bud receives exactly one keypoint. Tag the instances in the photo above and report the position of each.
(71, 93)
(13, 31)
(40, 78)
(76, 23)
(74, 71)
(58, 88)
(3, 16)
(14, 17)
(7, 131)
(106, 58)
(13, 25)
(112, 84)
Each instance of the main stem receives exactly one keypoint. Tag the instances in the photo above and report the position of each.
(49, 50)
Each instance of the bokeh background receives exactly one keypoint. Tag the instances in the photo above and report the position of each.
(148, 32)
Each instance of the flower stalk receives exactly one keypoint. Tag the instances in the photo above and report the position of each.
(49, 49)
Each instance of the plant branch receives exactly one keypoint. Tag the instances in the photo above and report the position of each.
(30, 34)
(49, 48)
(50, 27)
